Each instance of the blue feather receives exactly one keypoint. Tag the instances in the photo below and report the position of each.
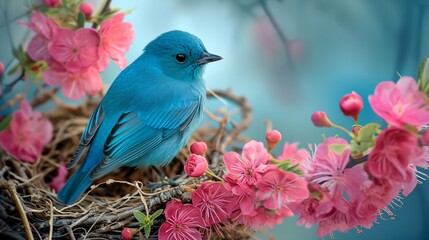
(148, 114)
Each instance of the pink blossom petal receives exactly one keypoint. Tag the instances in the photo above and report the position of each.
(38, 49)
(73, 88)
(255, 153)
(92, 81)
(233, 162)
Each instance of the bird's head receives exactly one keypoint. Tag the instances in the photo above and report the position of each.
(180, 55)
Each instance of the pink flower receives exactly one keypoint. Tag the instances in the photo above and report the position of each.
(294, 155)
(196, 165)
(59, 180)
(273, 137)
(320, 119)
(214, 202)
(116, 38)
(182, 222)
(235, 186)
(351, 104)
(74, 85)
(44, 28)
(263, 218)
(52, 3)
(27, 134)
(337, 220)
(76, 50)
(278, 188)
(86, 9)
(401, 103)
(328, 168)
(378, 195)
(1, 68)
(249, 167)
(394, 150)
(199, 148)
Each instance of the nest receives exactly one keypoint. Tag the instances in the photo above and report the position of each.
(29, 208)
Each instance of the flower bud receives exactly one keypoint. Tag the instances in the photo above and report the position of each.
(128, 233)
(320, 119)
(1, 68)
(52, 3)
(86, 9)
(198, 148)
(196, 165)
(351, 104)
(273, 137)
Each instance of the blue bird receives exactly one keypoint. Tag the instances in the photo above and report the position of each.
(147, 115)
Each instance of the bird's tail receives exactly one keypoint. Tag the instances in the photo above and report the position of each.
(74, 187)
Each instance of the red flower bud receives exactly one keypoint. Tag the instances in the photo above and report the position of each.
(273, 137)
(199, 148)
(128, 233)
(196, 165)
(320, 119)
(52, 3)
(86, 9)
(351, 104)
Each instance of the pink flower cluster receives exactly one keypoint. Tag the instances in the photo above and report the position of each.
(336, 191)
(344, 194)
(212, 204)
(255, 193)
(26, 134)
(264, 191)
(76, 56)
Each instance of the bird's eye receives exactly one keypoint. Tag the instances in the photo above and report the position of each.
(180, 58)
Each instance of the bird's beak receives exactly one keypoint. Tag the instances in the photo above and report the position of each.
(208, 57)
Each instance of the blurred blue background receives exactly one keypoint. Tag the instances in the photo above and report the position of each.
(318, 51)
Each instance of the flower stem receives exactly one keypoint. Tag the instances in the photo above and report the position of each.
(343, 129)
(209, 172)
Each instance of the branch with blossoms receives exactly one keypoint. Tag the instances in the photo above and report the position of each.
(341, 185)
(70, 47)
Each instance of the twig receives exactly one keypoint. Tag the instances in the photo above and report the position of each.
(10, 186)
(105, 8)
(51, 220)
(355, 161)
(280, 33)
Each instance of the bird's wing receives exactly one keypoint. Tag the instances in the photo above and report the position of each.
(134, 135)
(87, 135)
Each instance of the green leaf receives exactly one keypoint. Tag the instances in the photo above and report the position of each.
(284, 165)
(141, 217)
(423, 76)
(147, 231)
(80, 20)
(146, 222)
(156, 214)
(14, 69)
(5, 123)
(364, 139)
(367, 132)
